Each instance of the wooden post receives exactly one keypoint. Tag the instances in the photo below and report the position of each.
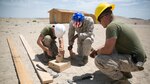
(60, 56)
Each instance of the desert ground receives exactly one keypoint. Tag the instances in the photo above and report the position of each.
(30, 29)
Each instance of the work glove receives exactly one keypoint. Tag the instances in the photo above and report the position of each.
(70, 47)
(93, 53)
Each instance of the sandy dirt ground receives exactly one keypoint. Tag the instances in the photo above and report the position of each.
(30, 29)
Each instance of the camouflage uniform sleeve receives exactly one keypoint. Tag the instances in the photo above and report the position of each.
(71, 33)
(89, 29)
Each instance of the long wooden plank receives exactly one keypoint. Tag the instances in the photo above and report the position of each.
(44, 76)
(23, 75)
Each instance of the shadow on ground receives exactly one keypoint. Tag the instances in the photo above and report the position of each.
(45, 59)
(41, 57)
(75, 60)
(93, 78)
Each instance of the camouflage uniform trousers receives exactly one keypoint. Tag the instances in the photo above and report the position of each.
(84, 46)
(113, 65)
(51, 44)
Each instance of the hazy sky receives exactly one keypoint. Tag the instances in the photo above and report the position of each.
(40, 8)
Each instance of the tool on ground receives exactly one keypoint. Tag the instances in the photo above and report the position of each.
(80, 79)
(41, 67)
(54, 74)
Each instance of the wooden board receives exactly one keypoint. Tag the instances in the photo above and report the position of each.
(59, 67)
(44, 76)
(23, 75)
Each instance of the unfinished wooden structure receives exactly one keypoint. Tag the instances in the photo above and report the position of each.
(63, 16)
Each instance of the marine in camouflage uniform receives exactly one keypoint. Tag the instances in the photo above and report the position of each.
(122, 52)
(85, 38)
(47, 42)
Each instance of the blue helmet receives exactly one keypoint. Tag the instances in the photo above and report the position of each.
(78, 17)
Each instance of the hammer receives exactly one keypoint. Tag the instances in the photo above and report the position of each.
(54, 75)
